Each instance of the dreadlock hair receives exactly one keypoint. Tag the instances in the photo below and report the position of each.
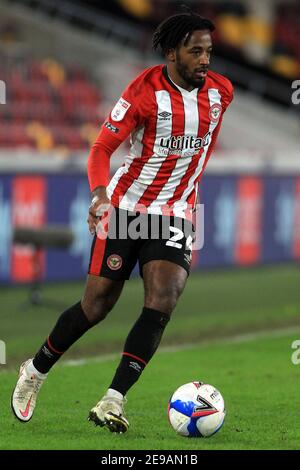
(176, 28)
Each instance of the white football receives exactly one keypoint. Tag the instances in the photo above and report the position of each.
(196, 409)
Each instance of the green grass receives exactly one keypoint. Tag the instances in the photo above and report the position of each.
(257, 379)
(214, 304)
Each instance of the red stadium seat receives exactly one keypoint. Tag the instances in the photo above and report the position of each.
(35, 97)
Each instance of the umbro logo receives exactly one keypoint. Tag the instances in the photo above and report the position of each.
(164, 115)
(188, 258)
(47, 352)
(135, 366)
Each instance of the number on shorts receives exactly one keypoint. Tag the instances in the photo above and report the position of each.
(178, 235)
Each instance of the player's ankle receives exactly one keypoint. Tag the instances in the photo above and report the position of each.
(111, 393)
(31, 369)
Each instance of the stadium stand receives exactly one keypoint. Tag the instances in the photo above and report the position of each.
(54, 108)
(60, 114)
(49, 105)
(265, 33)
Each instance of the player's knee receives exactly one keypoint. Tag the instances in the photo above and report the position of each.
(163, 298)
(96, 309)
(164, 304)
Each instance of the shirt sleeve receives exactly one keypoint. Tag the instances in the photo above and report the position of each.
(124, 117)
(227, 96)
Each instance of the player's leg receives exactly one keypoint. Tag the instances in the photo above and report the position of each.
(164, 266)
(110, 265)
(164, 281)
(99, 297)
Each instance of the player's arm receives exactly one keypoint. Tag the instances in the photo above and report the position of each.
(123, 119)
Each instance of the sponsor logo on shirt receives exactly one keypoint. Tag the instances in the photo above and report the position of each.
(185, 144)
(111, 127)
(120, 110)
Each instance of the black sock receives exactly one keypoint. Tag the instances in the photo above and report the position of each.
(141, 344)
(70, 326)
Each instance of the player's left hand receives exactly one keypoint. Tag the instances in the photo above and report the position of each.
(99, 205)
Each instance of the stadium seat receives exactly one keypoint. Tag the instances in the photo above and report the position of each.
(47, 104)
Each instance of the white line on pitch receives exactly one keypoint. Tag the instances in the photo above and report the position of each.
(241, 338)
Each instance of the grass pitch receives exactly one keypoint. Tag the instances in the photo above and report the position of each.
(213, 305)
(257, 379)
(255, 374)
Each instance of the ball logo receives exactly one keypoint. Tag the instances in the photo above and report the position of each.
(114, 262)
(202, 404)
(215, 112)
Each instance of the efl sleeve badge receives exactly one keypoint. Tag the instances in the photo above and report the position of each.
(120, 110)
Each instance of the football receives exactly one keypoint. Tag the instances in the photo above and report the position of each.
(196, 409)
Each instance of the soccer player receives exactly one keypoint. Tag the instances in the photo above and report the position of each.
(173, 113)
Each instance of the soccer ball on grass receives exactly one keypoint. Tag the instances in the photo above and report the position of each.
(196, 409)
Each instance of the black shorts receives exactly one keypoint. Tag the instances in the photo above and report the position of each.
(132, 237)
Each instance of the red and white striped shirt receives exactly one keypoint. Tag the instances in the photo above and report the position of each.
(173, 132)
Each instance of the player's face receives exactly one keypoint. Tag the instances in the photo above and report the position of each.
(192, 60)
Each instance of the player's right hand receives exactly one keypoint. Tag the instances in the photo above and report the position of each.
(99, 205)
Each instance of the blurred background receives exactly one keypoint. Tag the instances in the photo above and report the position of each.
(64, 64)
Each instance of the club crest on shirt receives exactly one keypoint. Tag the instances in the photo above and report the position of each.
(215, 112)
(120, 110)
(114, 262)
